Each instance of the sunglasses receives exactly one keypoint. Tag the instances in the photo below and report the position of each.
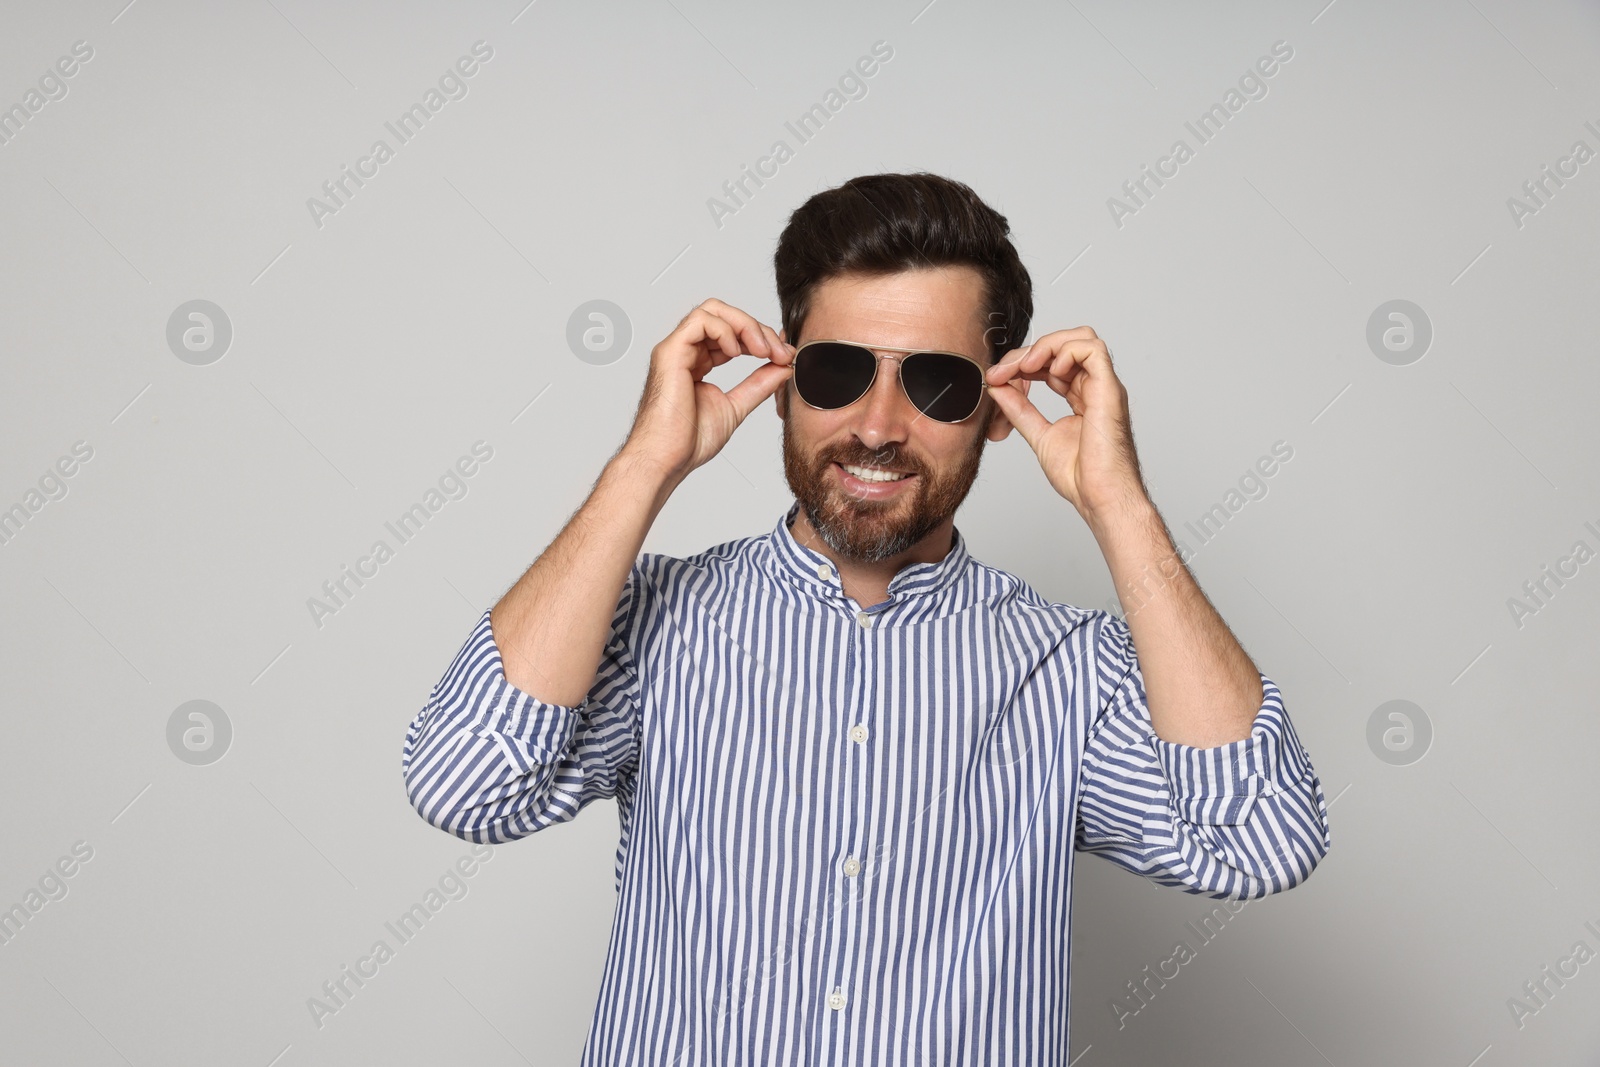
(945, 386)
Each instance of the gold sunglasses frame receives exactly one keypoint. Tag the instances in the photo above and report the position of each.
(877, 362)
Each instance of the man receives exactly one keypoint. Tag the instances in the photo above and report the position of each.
(852, 763)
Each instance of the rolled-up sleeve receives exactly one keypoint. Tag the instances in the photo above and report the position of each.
(490, 763)
(1240, 820)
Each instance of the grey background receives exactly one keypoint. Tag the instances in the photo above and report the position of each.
(431, 312)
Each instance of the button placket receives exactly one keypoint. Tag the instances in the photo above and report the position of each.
(857, 784)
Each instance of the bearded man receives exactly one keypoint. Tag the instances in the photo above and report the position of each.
(852, 764)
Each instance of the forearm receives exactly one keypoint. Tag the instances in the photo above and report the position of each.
(552, 625)
(1203, 690)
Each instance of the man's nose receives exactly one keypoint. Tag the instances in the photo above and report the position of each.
(885, 413)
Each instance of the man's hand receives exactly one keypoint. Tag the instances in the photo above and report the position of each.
(1088, 455)
(683, 421)
(1202, 689)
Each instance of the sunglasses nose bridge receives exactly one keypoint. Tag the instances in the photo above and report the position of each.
(895, 389)
(899, 388)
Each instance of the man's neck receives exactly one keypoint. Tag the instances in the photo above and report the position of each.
(868, 583)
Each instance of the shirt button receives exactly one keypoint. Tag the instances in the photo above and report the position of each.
(858, 733)
(836, 998)
(852, 867)
(824, 572)
(864, 619)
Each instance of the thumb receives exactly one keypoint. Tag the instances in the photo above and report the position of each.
(757, 386)
(1017, 408)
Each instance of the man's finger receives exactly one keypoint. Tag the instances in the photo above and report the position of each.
(756, 387)
(744, 324)
(780, 351)
(726, 342)
(1080, 354)
(707, 326)
(1003, 371)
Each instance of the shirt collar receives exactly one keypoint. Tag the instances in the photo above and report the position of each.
(815, 572)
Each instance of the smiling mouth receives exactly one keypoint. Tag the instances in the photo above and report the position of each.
(874, 475)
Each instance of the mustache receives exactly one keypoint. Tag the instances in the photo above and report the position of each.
(891, 457)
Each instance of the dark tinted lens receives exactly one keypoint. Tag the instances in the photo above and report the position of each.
(945, 388)
(830, 375)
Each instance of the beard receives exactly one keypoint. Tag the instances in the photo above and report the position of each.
(870, 531)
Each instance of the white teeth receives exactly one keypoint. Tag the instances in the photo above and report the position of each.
(868, 474)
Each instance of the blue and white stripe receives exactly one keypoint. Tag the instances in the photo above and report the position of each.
(848, 836)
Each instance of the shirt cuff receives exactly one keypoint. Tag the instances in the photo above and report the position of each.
(1219, 786)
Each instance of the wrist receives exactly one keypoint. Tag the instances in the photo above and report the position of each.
(639, 472)
(1129, 511)
(1131, 533)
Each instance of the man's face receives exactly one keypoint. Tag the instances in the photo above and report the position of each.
(871, 521)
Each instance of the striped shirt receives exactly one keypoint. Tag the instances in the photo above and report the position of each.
(848, 835)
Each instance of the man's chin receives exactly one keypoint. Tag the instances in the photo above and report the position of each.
(864, 529)
(867, 505)
(865, 514)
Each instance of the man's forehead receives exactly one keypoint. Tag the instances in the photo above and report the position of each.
(915, 309)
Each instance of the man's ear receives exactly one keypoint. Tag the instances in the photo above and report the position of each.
(999, 427)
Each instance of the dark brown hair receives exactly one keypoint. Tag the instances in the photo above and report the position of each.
(887, 223)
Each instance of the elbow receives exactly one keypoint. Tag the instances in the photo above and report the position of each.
(1276, 847)
(446, 801)
(1298, 865)
(1320, 842)
(457, 815)
(1300, 840)
(1301, 834)
(429, 800)
(482, 787)
(484, 806)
